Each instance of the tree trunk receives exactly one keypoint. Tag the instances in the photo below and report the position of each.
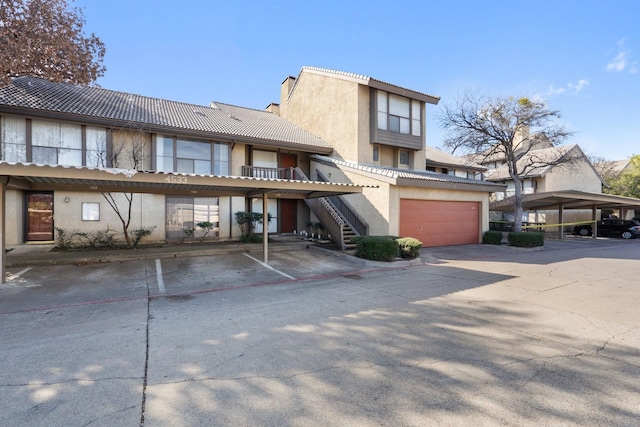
(517, 204)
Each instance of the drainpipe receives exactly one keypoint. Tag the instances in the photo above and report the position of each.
(265, 227)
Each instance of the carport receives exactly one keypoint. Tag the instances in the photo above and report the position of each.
(50, 178)
(569, 199)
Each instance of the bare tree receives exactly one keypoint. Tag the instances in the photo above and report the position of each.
(44, 38)
(510, 129)
(127, 152)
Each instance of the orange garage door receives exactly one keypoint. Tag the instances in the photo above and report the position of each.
(437, 223)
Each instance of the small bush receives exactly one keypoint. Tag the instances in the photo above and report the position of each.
(139, 233)
(492, 237)
(377, 248)
(408, 247)
(526, 239)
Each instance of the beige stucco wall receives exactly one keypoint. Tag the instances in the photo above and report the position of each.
(579, 176)
(328, 108)
(14, 224)
(147, 211)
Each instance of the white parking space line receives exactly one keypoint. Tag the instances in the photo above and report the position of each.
(161, 288)
(269, 267)
(18, 274)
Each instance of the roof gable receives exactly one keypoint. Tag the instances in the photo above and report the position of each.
(542, 158)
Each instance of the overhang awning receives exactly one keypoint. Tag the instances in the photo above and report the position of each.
(28, 176)
(33, 177)
(569, 199)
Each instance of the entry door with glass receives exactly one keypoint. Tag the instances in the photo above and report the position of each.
(39, 217)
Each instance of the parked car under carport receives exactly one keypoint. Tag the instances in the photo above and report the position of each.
(611, 227)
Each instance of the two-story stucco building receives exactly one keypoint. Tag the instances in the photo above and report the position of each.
(378, 134)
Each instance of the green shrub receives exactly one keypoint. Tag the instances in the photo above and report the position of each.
(140, 233)
(377, 248)
(526, 239)
(408, 247)
(492, 237)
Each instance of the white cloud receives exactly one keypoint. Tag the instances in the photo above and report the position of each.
(577, 88)
(620, 61)
(570, 87)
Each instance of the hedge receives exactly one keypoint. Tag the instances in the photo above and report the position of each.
(492, 237)
(526, 239)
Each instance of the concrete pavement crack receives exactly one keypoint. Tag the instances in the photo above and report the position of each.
(146, 357)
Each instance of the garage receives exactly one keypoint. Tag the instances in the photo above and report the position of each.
(440, 223)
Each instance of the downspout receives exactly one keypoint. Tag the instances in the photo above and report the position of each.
(265, 227)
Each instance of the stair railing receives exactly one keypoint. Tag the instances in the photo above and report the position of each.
(326, 213)
(351, 217)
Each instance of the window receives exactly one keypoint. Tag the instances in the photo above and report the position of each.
(398, 114)
(191, 156)
(90, 211)
(376, 153)
(96, 144)
(52, 143)
(187, 212)
(13, 137)
(404, 157)
(55, 143)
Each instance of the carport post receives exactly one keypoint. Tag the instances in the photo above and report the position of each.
(265, 227)
(594, 216)
(3, 257)
(560, 220)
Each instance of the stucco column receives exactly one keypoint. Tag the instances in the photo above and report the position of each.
(265, 227)
(3, 257)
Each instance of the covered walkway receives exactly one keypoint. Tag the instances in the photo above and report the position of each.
(32, 177)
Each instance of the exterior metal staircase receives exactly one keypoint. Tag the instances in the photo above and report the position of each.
(340, 220)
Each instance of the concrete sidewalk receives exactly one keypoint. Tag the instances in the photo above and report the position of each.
(46, 254)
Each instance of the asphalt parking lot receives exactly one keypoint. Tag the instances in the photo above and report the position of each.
(470, 334)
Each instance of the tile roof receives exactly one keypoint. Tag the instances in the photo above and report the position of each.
(409, 174)
(435, 156)
(97, 105)
(539, 160)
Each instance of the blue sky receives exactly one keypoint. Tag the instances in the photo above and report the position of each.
(581, 57)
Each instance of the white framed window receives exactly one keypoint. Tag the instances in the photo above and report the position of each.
(90, 211)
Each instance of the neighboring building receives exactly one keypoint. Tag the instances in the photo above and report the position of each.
(568, 168)
(378, 134)
(441, 162)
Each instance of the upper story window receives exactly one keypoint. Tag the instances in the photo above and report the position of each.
(52, 143)
(398, 114)
(55, 143)
(376, 153)
(404, 157)
(191, 156)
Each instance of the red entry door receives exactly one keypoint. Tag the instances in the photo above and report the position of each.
(39, 217)
(288, 212)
